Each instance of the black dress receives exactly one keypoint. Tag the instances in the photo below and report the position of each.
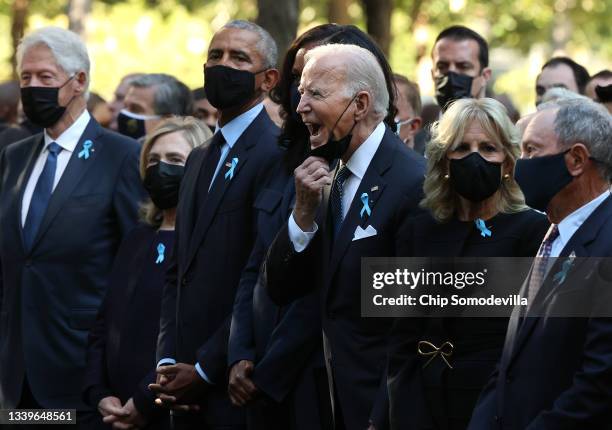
(435, 396)
(121, 348)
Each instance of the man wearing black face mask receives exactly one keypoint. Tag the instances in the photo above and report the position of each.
(216, 229)
(460, 59)
(67, 197)
(344, 211)
(554, 372)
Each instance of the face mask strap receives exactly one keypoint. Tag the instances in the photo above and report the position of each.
(340, 117)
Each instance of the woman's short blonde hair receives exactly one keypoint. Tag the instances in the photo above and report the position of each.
(194, 131)
(447, 134)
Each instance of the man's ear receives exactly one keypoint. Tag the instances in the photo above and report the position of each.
(363, 101)
(577, 159)
(270, 79)
(417, 123)
(486, 73)
(80, 80)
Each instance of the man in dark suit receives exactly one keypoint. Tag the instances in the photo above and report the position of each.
(376, 185)
(67, 197)
(216, 227)
(555, 373)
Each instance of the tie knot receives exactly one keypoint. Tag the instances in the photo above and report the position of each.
(552, 234)
(218, 140)
(342, 174)
(54, 148)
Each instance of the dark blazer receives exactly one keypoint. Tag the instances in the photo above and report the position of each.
(556, 373)
(212, 246)
(285, 343)
(51, 293)
(121, 347)
(444, 398)
(355, 347)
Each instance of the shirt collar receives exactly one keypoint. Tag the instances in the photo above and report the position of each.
(233, 130)
(70, 137)
(361, 158)
(571, 223)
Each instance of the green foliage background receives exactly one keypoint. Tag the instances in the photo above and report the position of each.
(172, 36)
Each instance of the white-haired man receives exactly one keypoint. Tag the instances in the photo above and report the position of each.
(67, 197)
(554, 373)
(344, 212)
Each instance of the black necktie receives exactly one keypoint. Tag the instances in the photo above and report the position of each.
(41, 195)
(335, 198)
(208, 170)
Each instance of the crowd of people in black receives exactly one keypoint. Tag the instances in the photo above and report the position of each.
(192, 259)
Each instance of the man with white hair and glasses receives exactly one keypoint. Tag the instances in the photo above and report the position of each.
(344, 211)
(67, 197)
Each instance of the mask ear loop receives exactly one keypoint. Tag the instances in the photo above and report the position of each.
(331, 133)
(62, 86)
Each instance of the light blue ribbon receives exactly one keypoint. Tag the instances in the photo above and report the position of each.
(562, 274)
(480, 225)
(230, 172)
(366, 206)
(87, 145)
(160, 253)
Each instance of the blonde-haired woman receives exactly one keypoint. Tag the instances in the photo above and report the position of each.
(121, 349)
(474, 208)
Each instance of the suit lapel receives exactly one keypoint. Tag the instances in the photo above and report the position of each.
(22, 182)
(71, 177)
(373, 184)
(221, 184)
(578, 245)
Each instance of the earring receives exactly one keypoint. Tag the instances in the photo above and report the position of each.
(446, 176)
(507, 176)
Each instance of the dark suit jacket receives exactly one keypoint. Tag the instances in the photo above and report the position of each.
(121, 347)
(556, 373)
(51, 294)
(443, 398)
(284, 342)
(356, 348)
(211, 249)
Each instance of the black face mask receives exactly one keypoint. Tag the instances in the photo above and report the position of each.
(294, 98)
(227, 87)
(162, 182)
(335, 149)
(541, 178)
(475, 178)
(41, 105)
(451, 87)
(604, 94)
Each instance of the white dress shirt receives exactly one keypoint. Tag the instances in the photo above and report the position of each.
(231, 133)
(68, 141)
(571, 223)
(357, 164)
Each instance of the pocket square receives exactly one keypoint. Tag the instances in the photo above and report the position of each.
(361, 233)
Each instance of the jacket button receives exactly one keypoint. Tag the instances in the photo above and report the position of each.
(183, 282)
(496, 418)
(28, 263)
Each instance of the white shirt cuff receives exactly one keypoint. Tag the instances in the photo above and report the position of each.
(202, 374)
(165, 361)
(300, 239)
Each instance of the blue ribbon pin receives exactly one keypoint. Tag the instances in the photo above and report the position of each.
(480, 225)
(87, 145)
(559, 277)
(230, 172)
(160, 253)
(366, 206)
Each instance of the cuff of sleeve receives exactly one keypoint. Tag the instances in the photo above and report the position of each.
(202, 373)
(93, 395)
(166, 361)
(300, 239)
(144, 401)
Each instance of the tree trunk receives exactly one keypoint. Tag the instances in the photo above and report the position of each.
(280, 18)
(78, 10)
(378, 21)
(19, 22)
(337, 11)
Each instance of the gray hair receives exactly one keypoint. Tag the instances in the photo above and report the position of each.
(584, 121)
(555, 94)
(172, 97)
(66, 47)
(266, 45)
(362, 73)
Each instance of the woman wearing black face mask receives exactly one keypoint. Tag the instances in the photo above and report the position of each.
(474, 209)
(121, 349)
